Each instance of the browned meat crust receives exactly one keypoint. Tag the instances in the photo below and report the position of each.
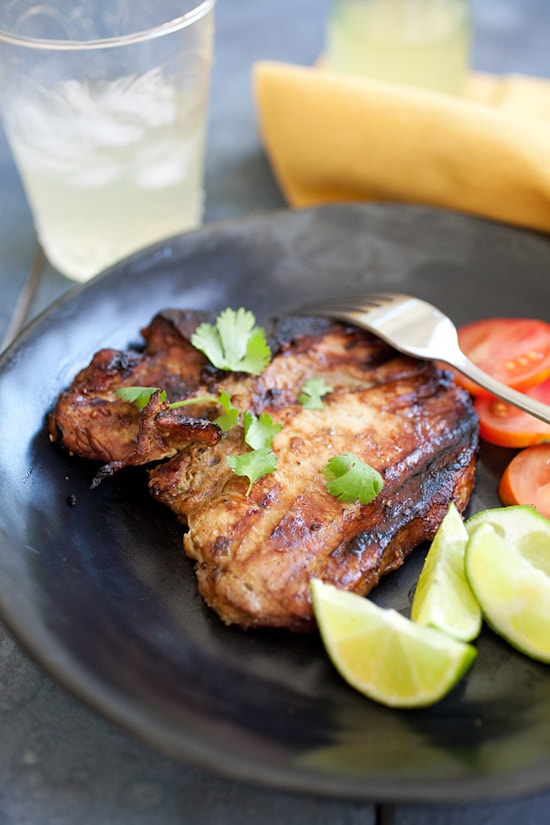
(91, 421)
(256, 553)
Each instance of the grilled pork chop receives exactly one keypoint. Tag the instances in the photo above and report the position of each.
(255, 553)
(91, 421)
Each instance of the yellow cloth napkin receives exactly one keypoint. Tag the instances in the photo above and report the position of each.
(334, 138)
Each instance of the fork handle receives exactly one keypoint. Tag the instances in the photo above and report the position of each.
(507, 394)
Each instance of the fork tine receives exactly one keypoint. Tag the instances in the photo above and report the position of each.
(416, 327)
(349, 303)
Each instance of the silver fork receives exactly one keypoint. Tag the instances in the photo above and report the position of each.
(415, 327)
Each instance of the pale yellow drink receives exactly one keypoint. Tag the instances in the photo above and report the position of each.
(111, 169)
(423, 43)
(104, 104)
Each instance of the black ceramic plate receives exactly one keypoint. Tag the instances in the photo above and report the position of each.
(101, 594)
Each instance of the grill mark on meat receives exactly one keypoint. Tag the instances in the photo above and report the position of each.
(254, 555)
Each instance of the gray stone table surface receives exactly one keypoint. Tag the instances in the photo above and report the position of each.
(60, 763)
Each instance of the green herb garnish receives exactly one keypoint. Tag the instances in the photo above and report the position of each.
(260, 431)
(350, 479)
(140, 396)
(231, 415)
(311, 396)
(234, 342)
(253, 465)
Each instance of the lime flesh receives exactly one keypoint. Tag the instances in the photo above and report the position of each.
(382, 654)
(514, 593)
(443, 598)
(521, 526)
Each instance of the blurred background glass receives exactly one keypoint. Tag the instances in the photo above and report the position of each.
(423, 43)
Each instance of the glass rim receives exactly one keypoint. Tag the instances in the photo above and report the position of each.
(173, 25)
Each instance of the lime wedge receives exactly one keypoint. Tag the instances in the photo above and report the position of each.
(443, 598)
(514, 593)
(521, 526)
(384, 655)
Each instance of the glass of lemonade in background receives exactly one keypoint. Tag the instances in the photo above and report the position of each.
(104, 104)
(423, 43)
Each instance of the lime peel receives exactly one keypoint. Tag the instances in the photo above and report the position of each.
(443, 597)
(384, 655)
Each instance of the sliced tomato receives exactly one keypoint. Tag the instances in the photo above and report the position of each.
(515, 351)
(526, 479)
(502, 424)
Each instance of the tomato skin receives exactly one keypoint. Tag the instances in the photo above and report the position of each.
(502, 424)
(515, 351)
(526, 479)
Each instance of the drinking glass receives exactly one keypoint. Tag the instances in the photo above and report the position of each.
(104, 104)
(421, 43)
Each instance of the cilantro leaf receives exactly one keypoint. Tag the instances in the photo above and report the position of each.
(350, 479)
(257, 355)
(234, 343)
(231, 415)
(253, 465)
(206, 338)
(312, 393)
(140, 396)
(234, 329)
(259, 431)
(187, 402)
